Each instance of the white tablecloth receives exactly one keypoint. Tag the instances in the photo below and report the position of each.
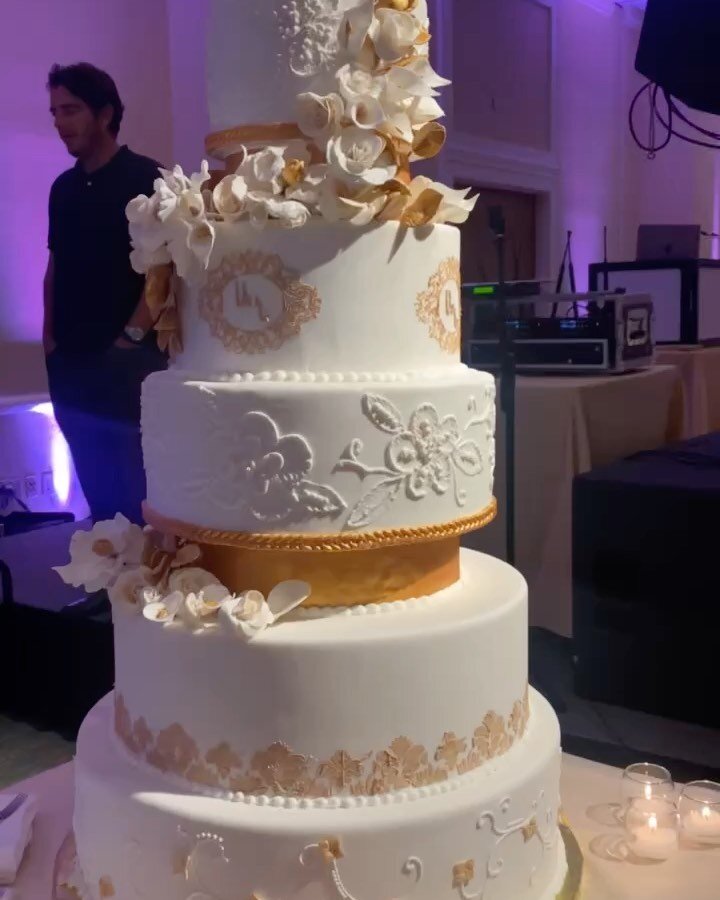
(700, 370)
(566, 426)
(587, 789)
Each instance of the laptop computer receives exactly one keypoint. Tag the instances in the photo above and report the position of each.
(657, 242)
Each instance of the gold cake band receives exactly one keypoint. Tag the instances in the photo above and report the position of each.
(343, 569)
(219, 142)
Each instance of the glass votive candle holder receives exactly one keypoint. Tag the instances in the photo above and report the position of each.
(652, 833)
(699, 808)
(644, 784)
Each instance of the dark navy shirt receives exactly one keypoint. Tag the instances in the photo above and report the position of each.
(95, 290)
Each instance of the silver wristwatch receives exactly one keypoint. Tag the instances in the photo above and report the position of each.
(134, 334)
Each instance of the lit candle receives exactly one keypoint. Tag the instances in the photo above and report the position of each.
(651, 842)
(702, 825)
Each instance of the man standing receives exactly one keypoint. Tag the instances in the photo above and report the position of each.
(97, 335)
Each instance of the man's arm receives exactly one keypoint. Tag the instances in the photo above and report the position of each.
(141, 318)
(48, 337)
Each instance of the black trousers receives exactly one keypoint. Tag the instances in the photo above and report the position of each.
(96, 400)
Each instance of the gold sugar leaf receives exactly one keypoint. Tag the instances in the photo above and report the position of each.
(331, 849)
(106, 887)
(293, 172)
(530, 830)
(463, 873)
(423, 210)
(429, 140)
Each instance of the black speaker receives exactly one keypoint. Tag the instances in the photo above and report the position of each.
(679, 50)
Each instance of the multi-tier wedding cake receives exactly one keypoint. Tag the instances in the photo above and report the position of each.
(318, 693)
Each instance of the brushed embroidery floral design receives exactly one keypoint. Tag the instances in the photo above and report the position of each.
(421, 457)
(258, 469)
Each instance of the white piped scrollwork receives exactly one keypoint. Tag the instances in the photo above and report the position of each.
(329, 851)
(423, 456)
(540, 823)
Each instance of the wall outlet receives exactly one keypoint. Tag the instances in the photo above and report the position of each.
(47, 485)
(31, 487)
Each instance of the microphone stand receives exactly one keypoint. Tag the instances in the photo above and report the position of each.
(507, 380)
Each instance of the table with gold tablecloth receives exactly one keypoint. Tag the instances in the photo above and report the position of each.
(587, 789)
(700, 370)
(566, 426)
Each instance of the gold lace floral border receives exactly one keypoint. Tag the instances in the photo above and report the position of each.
(278, 770)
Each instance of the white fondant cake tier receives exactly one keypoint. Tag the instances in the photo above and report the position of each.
(440, 682)
(489, 834)
(261, 55)
(328, 298)
(322, 458)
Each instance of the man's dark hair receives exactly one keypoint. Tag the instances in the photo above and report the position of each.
(92, 86)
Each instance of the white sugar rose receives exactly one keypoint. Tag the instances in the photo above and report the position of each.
(394, 34)
(97, 557)
(263, 171)
(319, 117)
(357, 155)
(130, 586)
(356, 82)
(230, 197)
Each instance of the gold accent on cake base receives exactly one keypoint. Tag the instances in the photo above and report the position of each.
(342, 569)
(383, 575)
(270, 133)
(572, 889)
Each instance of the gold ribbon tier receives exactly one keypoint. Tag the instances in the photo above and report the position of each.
(342, 569)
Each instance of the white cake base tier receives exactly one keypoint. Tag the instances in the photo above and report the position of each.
(319, 458)
(494, 832)
(440, 681)
(324, 298)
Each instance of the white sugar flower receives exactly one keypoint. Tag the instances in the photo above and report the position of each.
(192, 580)
(338, 203)
(262, 171)
(308, 190)
(230, 197)
(416, 79)
(358, 16)
(357, 155)
(319, 117)
(162, 609)
(130, 586)
(430, 203)
(200, 242)
(201, 609)
(424, 109)
(250, 614)
(394, 34)
(356, 82)
(288, 213)
(97, 557)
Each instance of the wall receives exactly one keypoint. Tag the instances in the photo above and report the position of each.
(127, 37)
(592, 174)
(187, 24)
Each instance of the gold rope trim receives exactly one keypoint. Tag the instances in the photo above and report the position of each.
(322, 543)
(249, 134)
